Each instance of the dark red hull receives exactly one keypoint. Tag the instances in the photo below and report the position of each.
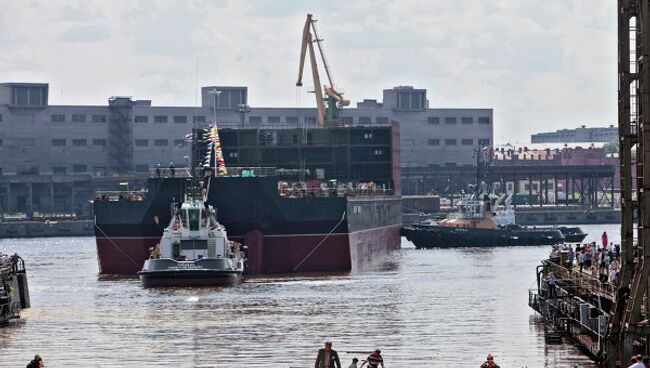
(342, 252)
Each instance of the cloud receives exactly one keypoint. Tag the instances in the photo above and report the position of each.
(539, 64)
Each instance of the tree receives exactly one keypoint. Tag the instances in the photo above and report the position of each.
(611, 147)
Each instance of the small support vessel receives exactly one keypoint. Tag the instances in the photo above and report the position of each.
(194, 250)
(473, 226)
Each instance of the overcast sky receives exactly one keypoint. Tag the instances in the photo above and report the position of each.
(540, 64)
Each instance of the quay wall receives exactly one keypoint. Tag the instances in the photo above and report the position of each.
(37, 229)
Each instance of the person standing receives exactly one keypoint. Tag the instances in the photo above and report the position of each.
(490, 363)
(374, 360)
(172, 169)
(550, 281)
(37, 362)
(327, 357)
(605, 240)
(354, 363)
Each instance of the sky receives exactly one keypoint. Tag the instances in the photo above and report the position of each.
(540, 64)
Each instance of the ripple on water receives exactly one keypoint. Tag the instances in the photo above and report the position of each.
(441, 306)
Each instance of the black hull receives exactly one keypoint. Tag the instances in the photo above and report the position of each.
(448, 237)
(189, 278)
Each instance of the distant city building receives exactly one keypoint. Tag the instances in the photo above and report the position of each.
(54, 157)
(581, 134)
(131, 136)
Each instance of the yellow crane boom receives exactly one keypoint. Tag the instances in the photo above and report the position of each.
(309, 37)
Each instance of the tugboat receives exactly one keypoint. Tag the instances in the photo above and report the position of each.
(473, 226)
(194, 249)
(504, 215)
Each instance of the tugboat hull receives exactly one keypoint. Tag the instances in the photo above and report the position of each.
(189, 278)
(165, 272)
(448, 237)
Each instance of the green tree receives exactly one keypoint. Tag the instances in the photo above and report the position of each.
(611, 147)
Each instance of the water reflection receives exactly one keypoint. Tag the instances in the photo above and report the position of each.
(427, 307)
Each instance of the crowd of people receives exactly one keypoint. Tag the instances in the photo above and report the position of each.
(329, 358)
(603, 263)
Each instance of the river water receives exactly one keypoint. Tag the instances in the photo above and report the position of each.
(424, 308)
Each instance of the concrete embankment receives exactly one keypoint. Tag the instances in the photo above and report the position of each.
(35, 229)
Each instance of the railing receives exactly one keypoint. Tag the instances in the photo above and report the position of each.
(324, 193)
(580, 280)
(114, 196)
(230, 171)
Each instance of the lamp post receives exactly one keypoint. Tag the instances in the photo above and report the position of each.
(216, 94)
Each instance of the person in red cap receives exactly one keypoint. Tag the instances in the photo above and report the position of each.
(489, 363)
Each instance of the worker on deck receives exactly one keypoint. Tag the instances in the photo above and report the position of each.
(327, 357)
(489, 363)
(374, 360)
(172, 169)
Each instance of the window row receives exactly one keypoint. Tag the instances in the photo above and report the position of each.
(178, 143)
(77, 118)
(463, 120)
(463, 142)
(97, 170)
(163, 119)
(62, 142)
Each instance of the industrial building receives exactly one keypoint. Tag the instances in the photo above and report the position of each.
(57, 146)
(580, 134)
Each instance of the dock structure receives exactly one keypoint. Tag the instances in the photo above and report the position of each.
(14, 292)
(577, 309)
(623, 311)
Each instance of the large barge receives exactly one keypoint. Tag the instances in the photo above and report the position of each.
(320, 200)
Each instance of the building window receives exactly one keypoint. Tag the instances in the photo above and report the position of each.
(467, 121)
(79, 142)
(99, 118)
(160, 142)
(58, 142)
(365, 120)
(292, 120)
(198, 119)
(450, 120)
(141, 168)
(450, 142)
(180, 143)
(484, 142)
(467, 142)
(0, 118)
(141, 142)
(255, 119)
(99, 142)
(434, 142)
(1, 142)
(28, 96)
(160, 119)
(78, 118)
(433, 120)
(310, 120)
(59, 170)
(57, 118)
(79, 168)
(233, 154)
(367, 136)
(379, 152)
(382, 120)
(180, 119)
(141, 119)
(484, 120)
(274, 119)
(348, 120)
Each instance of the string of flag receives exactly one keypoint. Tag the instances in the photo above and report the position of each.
(211, 137)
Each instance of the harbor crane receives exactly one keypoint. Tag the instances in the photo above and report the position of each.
(335, 99)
